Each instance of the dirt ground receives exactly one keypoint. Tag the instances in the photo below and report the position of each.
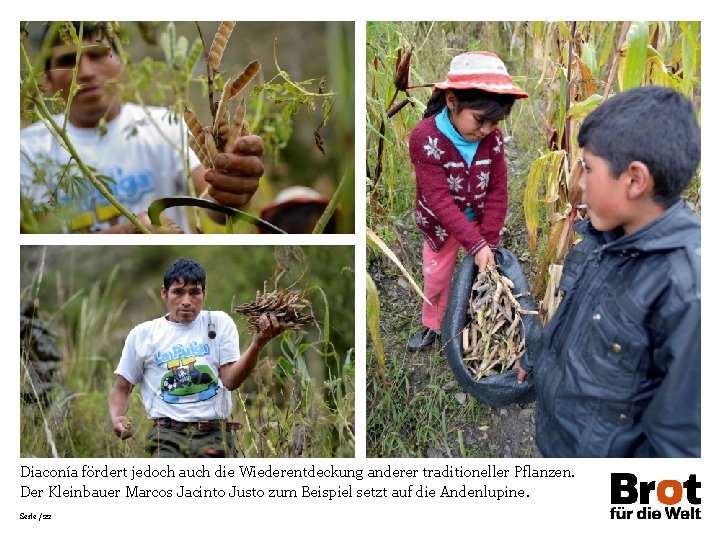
(503, 432)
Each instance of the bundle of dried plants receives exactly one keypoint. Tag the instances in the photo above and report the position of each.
(494, 338)
(291, 309)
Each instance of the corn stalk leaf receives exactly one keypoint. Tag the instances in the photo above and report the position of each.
(531, 203)
(589, 58)
(544, 171)
(561, 104)
(555, 240)
(587, 79)
(635, 51)
(372, 309)
(378, 243)
(690, 54)
(582, 108)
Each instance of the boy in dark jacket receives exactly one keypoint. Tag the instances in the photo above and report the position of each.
(618, 372)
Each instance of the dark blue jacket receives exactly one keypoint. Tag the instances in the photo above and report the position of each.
(618, 373)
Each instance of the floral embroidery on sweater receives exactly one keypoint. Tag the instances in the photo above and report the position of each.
(455, 183)
(432, 148)
(484, 180)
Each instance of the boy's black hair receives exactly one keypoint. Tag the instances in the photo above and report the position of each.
(654, 125)
(90, 30)
(184, 271)
(495, 106)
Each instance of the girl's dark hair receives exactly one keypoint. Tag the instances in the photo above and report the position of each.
(495, 107)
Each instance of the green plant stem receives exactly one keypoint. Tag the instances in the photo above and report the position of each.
(62, 136)
(327, 214)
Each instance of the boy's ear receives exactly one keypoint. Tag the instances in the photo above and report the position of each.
(641, 182)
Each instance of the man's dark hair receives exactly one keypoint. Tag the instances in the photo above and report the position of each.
(495, 106)
(184, 271)
(91, 30)
(654, 125)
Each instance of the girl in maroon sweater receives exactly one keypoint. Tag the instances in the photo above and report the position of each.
(461, 176)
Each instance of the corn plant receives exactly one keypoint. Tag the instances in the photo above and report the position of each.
(582, 63)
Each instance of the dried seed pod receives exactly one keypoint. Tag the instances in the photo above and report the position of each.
(495, 339)
(222, 132)
(234, 86)
(199, 149)
(207, 141)
(193, 124)
(219, 42)
(402, 69)
(237, 123)
(210, 147)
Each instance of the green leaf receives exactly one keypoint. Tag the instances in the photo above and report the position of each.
(582, 108)
(284, 366)
(589, 56)
(372, 308)
(632, 63)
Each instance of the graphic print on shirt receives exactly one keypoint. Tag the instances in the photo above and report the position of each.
(129, 187)
(188, 379)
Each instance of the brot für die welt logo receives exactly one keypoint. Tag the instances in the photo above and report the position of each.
(681, 499)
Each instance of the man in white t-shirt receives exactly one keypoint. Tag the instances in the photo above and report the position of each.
(142, 149)
(186, 364)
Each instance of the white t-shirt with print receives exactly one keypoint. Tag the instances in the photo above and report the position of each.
(140, 151)
(177, 366)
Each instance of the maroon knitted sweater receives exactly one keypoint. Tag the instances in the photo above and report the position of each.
(446, 186)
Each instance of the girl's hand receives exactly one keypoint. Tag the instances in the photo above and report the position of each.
(522, 374)
(484, 257)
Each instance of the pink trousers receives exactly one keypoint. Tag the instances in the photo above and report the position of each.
(437, 276)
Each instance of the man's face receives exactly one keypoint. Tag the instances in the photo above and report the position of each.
(184, 301)
(98, 71)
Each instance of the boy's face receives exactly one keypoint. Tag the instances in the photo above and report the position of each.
(97, 75)
(605, 195)
(184, 301)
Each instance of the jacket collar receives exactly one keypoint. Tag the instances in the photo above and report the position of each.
(668, 231)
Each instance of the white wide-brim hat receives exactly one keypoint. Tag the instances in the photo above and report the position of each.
(480, 70)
